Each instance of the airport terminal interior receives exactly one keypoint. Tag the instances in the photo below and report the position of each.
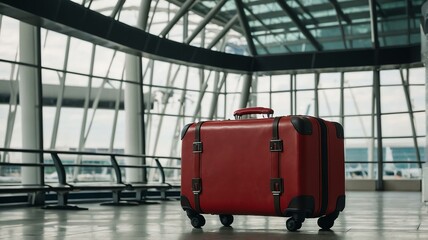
(95, 94)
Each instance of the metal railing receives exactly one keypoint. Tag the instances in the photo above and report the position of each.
(63, 186)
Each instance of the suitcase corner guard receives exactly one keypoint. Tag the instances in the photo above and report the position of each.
(301, 204)
(302, 125)
(340, 203)
(185, 203)
(184, 130)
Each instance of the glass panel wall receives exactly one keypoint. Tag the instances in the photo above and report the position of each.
(83, 98)
(402, 115)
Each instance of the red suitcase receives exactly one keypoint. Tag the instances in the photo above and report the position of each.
(291, 166)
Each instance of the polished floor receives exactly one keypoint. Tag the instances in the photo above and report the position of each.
(368, 215)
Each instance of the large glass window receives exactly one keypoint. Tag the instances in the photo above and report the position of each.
(83, 85)
(403, 124)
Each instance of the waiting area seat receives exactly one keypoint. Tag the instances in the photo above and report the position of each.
(116, 186)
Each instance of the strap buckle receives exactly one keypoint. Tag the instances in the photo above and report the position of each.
(275, 145)
(196, 185)
(276, 186)
(197, 147)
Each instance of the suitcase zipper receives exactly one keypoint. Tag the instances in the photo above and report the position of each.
(324, 166)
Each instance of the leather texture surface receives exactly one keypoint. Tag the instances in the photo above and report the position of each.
(236, 166)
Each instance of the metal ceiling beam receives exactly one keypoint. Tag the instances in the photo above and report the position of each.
(381, 11)
(320, 6)
(363, 37)
(395, 12)
(413, 30)
(373, 24)
(323, 19)
(205, 21)
(183, 10)
(254, 37)
(74, 96)
(246, 27)
(201, 10)
(262, 45)
(281, 41)
(409, 9)
(350, 58)
(341, 15)
(143, 16)
(290, 12)
(305, 10)
(117, 8)
(410, 15)
(74, 20)
(223, 31)
(340, 12)
(342, 31)
(85, 1)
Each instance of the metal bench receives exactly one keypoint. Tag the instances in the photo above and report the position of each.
(64, 188)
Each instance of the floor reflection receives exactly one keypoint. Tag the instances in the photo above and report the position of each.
(368, 215)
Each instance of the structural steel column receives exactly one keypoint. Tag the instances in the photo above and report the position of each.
(316, 96)
(294, 94)
(254, 88)
(134, 115)
(376, 89)
(371, 142)
(29, 102)
(132, 118)
(342, 98)
(291, 94)
(270, 91)
(245, 93)
(30, 96)
(424, 58)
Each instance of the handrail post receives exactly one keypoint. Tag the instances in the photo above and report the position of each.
(161, 170)
(60, 170)
(116, 168)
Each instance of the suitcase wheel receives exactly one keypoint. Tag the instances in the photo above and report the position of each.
(293, 224)
(226, 220)
(327, 222)
(324, 223)
(197, 221)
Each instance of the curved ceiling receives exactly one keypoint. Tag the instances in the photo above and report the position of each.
(291, 26)
(272, 35)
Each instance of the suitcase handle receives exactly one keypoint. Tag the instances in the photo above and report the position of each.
(252, 110)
